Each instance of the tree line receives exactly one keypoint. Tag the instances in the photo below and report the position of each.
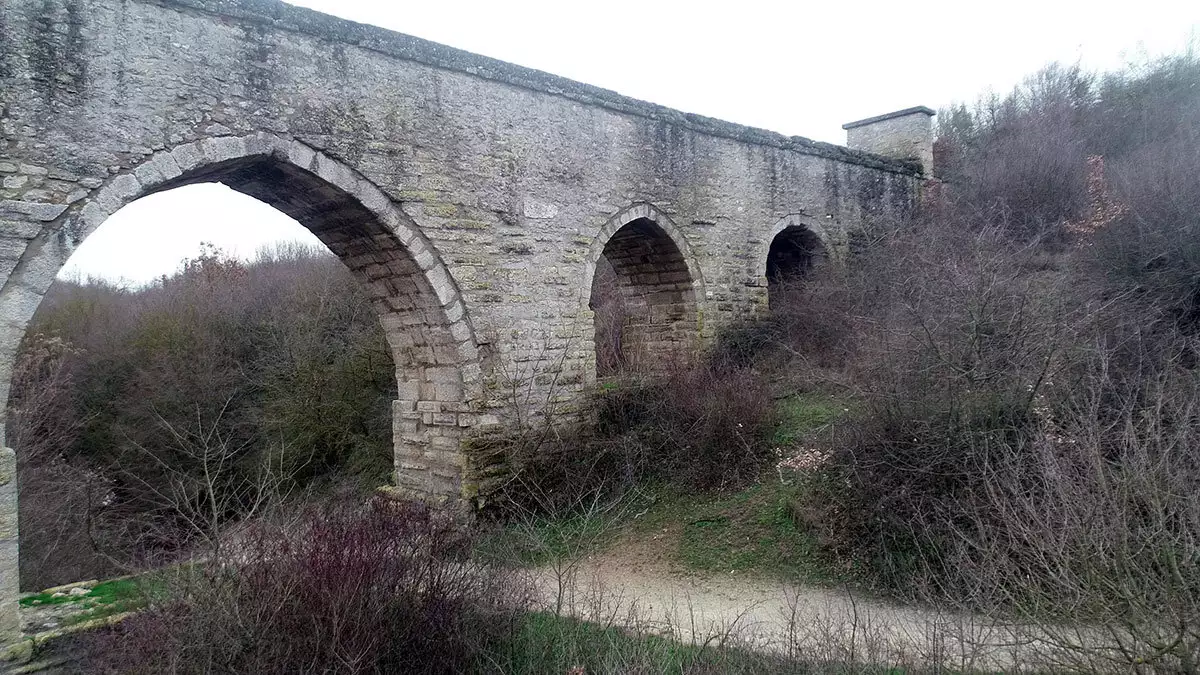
(146, 418)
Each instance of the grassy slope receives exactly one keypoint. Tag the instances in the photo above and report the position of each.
(745, 531)
(750, 530)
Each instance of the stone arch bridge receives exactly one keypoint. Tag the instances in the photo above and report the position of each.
(472, 198)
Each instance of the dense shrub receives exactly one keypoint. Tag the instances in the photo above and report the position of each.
(1019, 161)
(954, 361)
(1024, 368)
(178, 406)
(1094, 519)
(385, 589)
(56, 495)
(1151, 248)
(810, 326)
(704, 427)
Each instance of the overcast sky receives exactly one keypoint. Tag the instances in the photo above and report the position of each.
(801, 68)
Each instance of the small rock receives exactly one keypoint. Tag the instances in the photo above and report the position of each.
(59, 594)
(20, 652)
(50, 624)
(539, 210)
(77, 591)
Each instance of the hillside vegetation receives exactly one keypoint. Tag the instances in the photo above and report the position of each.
(993, 408)
(148, 420)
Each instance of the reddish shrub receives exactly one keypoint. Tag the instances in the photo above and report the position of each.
(387, 588)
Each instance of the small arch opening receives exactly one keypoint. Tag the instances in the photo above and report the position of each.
(794, 254)
(643, 297)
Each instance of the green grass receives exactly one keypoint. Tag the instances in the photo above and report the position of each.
(802, 414)
(105, 592)
(104, 599)
(750, 530)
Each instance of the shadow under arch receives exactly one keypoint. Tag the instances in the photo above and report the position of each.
(645, 291)
(796, 245)
(418, 304)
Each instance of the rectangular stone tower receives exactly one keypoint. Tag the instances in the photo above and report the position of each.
(905, 134)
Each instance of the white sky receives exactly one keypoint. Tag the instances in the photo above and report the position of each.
(796, 67)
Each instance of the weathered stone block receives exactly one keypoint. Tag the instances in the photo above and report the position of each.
(223, 148)
(301, 155)
(35, 210)
(188, 157)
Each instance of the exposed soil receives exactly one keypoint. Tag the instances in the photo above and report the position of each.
(634, 583)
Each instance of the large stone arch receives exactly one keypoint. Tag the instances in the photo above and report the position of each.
(657, 276)
(419, 305)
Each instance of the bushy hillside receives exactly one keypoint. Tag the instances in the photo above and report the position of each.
(993, 410)
(145, 419)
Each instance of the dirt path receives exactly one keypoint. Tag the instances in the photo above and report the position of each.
(629, 585)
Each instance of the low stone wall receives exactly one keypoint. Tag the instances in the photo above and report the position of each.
(9, 569)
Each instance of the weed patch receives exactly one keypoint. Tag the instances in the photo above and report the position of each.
(805, 413)
(750, 530)
(126, 593)
(543, 539)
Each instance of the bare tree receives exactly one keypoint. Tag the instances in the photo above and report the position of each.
(202, 488)
(59, 499)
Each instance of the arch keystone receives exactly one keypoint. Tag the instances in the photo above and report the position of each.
(187, 157)
(224, 148)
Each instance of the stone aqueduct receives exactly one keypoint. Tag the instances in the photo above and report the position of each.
(471, 197)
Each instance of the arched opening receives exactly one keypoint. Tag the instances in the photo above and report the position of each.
(404, 288)
(643, 296)
(794, 253)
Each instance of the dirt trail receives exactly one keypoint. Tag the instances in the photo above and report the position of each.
(628, 586)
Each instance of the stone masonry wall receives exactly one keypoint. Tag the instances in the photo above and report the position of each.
(653, 280)
(473, 197)
(905, 135)
(8, 545)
